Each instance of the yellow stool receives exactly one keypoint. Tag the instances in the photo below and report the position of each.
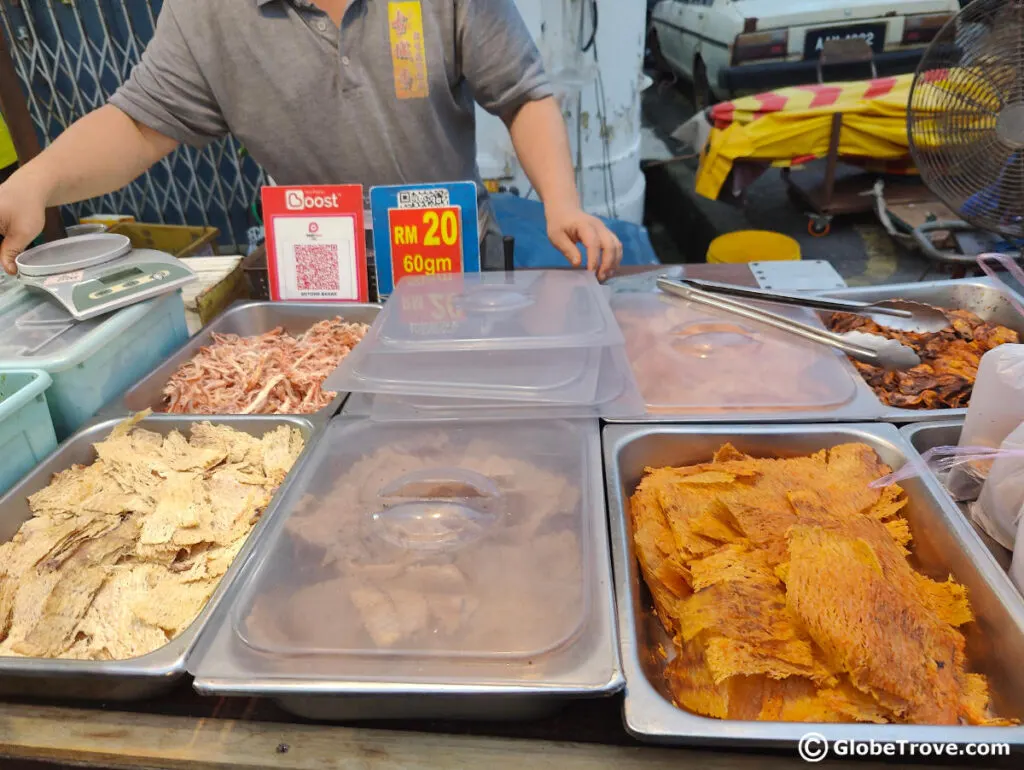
(752, 246)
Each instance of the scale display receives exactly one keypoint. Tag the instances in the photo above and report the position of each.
(90, 275)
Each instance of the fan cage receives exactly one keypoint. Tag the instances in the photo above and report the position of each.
(965, 118)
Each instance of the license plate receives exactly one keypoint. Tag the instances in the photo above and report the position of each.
(874, 34)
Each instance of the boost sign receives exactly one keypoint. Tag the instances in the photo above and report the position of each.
(424, 230)
(316, 248)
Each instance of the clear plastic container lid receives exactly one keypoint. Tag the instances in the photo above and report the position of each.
(498, 311)
(687, 358)
(35, 327)
(616, 397)
(535, 376)
(422, 550)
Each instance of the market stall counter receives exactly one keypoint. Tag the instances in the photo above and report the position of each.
(448, 590)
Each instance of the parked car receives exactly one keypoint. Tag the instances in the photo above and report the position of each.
(731, 47)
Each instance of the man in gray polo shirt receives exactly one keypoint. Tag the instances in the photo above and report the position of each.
(324, 91)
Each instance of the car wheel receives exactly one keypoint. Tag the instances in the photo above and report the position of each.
(703, 97)
(818, 226)
(655, 58)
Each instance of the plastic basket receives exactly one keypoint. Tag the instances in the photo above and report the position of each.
(177, 240)
(109, 359)
(26, 430)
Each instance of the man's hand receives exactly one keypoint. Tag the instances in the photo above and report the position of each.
(568, 227)
(100, 153)
(22, 218)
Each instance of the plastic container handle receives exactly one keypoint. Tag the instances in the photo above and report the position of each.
(422, 485)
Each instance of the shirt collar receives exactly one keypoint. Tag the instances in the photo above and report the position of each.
(300, 3)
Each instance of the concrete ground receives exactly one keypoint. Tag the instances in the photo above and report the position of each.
(682, 223)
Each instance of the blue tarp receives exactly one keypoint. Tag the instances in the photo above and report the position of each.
(524, 220)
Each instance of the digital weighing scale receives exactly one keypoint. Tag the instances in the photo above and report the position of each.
(90, 275)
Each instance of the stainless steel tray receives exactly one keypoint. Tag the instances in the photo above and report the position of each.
(923, 436)
(246, 319)
(158, 671)
(979, 295)
(597, 670)
(944, 542)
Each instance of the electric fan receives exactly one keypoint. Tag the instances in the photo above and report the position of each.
(965, 118)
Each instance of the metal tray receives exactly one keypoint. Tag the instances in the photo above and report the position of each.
(979, 295)
(246, 319)
(923, 436)
(597, 674)
(159, 671)
(944, 543)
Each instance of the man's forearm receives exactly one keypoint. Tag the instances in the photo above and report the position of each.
(541, 142)
(98, 154)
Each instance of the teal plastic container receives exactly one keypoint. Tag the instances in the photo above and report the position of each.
(26, 430)
(90, 362)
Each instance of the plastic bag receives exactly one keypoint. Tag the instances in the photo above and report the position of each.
(997, 509)
(941, 460)
(997, 403)
(1017, 563)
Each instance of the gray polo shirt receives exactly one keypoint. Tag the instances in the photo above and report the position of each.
(386, 99)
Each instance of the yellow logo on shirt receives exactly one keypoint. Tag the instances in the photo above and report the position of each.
(408, 51)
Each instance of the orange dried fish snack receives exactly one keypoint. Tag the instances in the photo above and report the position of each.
(786, 587)
(949, 360)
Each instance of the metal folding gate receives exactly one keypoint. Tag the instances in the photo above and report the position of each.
(71, 55)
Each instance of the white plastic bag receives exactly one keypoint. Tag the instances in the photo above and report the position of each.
(996, 409)
(997, 510)
(1017, 563)
(997, 404)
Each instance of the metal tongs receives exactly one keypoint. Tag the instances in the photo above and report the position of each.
(902, 314)
(868, 348)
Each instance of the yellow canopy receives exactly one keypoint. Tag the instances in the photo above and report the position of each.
(794, 125)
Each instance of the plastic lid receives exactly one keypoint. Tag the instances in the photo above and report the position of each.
(497, 311)
(76, 253)
(616, 396)
(687, 357)
(537, 376)
(420, 550)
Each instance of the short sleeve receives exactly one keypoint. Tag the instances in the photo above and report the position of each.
(500, 61)
(167, 90)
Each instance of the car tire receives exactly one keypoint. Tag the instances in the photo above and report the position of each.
(703, 96)
(655, 58)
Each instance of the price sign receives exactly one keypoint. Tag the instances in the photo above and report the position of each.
(425, 241)
(316, 245)
(424, 230)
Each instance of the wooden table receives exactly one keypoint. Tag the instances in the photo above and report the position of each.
(223, 735)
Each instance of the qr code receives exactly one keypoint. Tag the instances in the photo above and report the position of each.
(316, 267)
(423, 199)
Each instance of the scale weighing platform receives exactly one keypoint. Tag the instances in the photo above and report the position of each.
(89, 275)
